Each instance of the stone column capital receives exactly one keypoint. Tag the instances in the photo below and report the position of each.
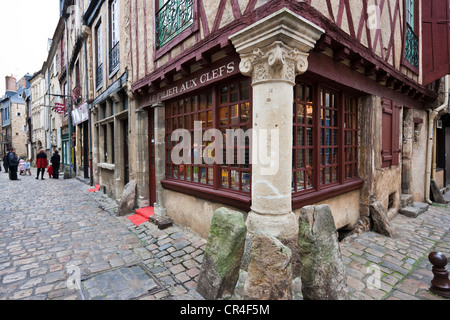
(276, 62)
(277, 47)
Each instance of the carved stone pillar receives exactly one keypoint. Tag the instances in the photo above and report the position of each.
(141, 171)
(273, 52)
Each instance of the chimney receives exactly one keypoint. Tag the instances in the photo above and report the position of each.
(10, 83)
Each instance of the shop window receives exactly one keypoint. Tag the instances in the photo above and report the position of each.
(325, 148)
(227, 107)
(172, 17)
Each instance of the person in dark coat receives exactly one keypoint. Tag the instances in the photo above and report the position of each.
(41, 164)
(13, 161)
(56, 162)
(5, 162)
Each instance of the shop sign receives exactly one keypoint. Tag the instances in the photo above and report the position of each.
(60, 108)
(80, 114)
(220, 70)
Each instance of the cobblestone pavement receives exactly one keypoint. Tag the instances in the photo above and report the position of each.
(54, 232)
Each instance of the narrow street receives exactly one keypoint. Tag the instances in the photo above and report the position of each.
(53, 231)
(48, 227)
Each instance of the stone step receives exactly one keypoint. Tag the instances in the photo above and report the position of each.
(406, 200)
(414, 210)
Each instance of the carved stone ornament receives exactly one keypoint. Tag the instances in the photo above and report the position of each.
(276, 62)
(276, 48)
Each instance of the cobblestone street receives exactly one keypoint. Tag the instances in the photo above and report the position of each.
(47, 227)
(52, 229)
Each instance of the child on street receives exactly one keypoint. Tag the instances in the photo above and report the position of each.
(50, 171)
(28, 167)
(22, 167)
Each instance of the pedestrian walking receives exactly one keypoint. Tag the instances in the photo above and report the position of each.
(41, 164)
(28, 167)
(50, 171)
(56, 162)
(13, 161)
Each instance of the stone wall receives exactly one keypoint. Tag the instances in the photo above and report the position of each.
(193, 213)
(19, 135)
(418, 158)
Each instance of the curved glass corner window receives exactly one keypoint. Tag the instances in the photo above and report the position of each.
(173, 17)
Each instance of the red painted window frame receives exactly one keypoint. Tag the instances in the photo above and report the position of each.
(405, 62)
(343, 184)
(214, 190)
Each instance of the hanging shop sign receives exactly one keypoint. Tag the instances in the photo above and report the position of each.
(80, 114)
(60, 108)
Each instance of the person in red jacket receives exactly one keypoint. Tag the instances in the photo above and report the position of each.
(50, 171)
(41, 163)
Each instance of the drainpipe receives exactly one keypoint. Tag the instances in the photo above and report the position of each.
(432, 114)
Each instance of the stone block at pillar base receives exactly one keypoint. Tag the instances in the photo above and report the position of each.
(269, 270)
(322, 268)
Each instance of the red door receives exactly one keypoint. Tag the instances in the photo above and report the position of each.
(151, 153)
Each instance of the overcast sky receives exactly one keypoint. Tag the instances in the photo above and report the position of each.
(25, 27)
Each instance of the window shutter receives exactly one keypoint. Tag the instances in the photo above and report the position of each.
(390, 149)
(386, 149)
(395, 134)
(435, 40)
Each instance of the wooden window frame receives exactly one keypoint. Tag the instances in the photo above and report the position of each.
(99, 61)
(114, 34)
(404, 61)
(320, 188)
(211, 188)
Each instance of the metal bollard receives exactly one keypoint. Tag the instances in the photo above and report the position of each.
(440, 284)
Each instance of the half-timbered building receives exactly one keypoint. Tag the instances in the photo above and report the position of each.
(344, 85)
